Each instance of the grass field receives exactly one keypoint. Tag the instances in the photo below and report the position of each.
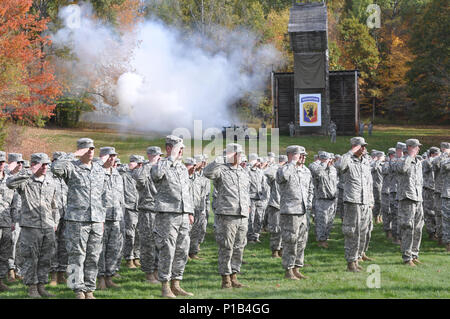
(263, 274)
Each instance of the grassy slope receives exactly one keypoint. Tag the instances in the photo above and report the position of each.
(264, 274)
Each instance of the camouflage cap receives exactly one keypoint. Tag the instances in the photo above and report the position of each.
(234, 147)
(85, 142)
(434, 150)
(413, 142)
(445, 145)
(205, 157)
(154, 150)
(57, 155)
(379, 154)
(282, 158)
(252, 157)
(337, 156)
(135, 158)
(117, 161)
(107, 150)
(244, 158)
(26, 164)
(174, 140)
(358, 140)
(97, 160)
(391, 150)
(2, 156)
(296, 149)
(15, 157)
(189, 161)
(373, 152)
(263, 159)
(40, 158)
(323, 155)
(271, 154)
(400, 146)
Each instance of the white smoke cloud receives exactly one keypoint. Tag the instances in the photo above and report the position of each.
(165, 79)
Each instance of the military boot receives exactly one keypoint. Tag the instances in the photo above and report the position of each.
(53, 279)
(298, 274)
(130, 264)
(43, 292)
(417, 261)
(389, 234)
(409, 263)
(280, 252)
(235, 283)
(226, 282)
(18, 277)
(60, 279)
(365, 258)
(357, 265)
(109, 283)
(101, 283)
(166, 291)
(150, 278)
(33, 292)
(177, 290)
(3, 287)
(195, 256)
(11, 275)
(448, 247)
(275, 254)
(137, 262)
(351, 266)
(290, 275)
(80, 295)
(89, 295)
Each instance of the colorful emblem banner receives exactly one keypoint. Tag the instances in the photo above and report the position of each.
(310, 110)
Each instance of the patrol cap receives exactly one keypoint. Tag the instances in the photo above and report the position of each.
(331, 155)
(296, 149)
(323, 155)
(252, 157)
(400, 146)
(57, 155)
(205, 157)
(85, 142)
(391, 150)
(97, 160)
(244, 158)
(413, 142)
(174, 140)
(337, 156)
(189, 161)
(135, 158)
(15, 157)
(434, 150)
(263, 159)
(373, 152)
(358, 140)
(2, 156)
(117, 161)
(445, 145)
(379, 154)
(154, 150)
(107, 150)
(271, 154)
(234, 147)
(282, 158)
(26, 164)
(198, 158)
(40, 158)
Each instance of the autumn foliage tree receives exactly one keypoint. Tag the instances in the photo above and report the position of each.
(28, 87)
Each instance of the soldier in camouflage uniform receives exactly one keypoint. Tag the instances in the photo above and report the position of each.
(445, 195)
(377, 177)
(312, 168)
(357, 198)
(37, 236)
(146, 219)
(296, 190)
(174, 213)
(393, 197)
(231, 213)
(428, 192)
(112, 198)
(409, 191)
(273, 209)
(385, 191)
(59, 259)
(131, 249)
(207, 200)
(325, 176)
(6, 223)
(340, 187)
(85, 216)
(255, 219)
(438, 184)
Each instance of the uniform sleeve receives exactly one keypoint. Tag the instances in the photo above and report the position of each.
(17, 181)
(310, 195)
(403, 166)
(159, 170)
(63, 167)
(213, 170)
(343, 163)
(284, 173)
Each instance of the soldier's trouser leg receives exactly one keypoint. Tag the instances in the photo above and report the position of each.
(411, 223)
(259, 220)
(131, 249)
(251, 221)
(15, 239)
(36, 248)
(386, 212)
(148, 247)
(376, 211)
(230, 233)
(340, 203)
(112, 245)
(324, 218)
(172, 240)
(273, 215)
(84, 245)
(5, 250)
(62, 246)
(198, 231)
(446, 220)
(394, 215)
(438, 213)
(293, 233)
(351, 228)
(369, 232)
(428, 211)
(365, 223)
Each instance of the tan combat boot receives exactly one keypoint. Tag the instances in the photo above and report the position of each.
(80, 295)
(409, 263)
(290, 275)
(137, 262)
(358, 266)
(226, 282)
(298, 274)
(11, 275)
(101, 283)
(33, 292)
(3, 287)
(365, 258)
(43, 292)
(166, 291)
(235, 283)
(53, 279)
(351, 266)
(150, 278)
(18, 277)
(60, 279)
(177, 290)
(89, 295)
(275, 254)
(109, 283)
(417, 261)
(280, 252)
(130, 264)
(195, 256)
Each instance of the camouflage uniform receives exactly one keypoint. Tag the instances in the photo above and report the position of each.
(340, 187)
(84, 218)
(131, 249)
(385, 191)
(6, 197)
(37, 236)
(366, 225)
(296, 190)
(428, 196)
(377, 177)
(255, 220)
(273, 209)
(312, 168)
(445, 197)
(172, 206)
(333, 132)
(16, 207)
(393, 197)
(231, 213)
(438, 183)
(200, 190)
(113, 198)
(357, 199)
(410, 206)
